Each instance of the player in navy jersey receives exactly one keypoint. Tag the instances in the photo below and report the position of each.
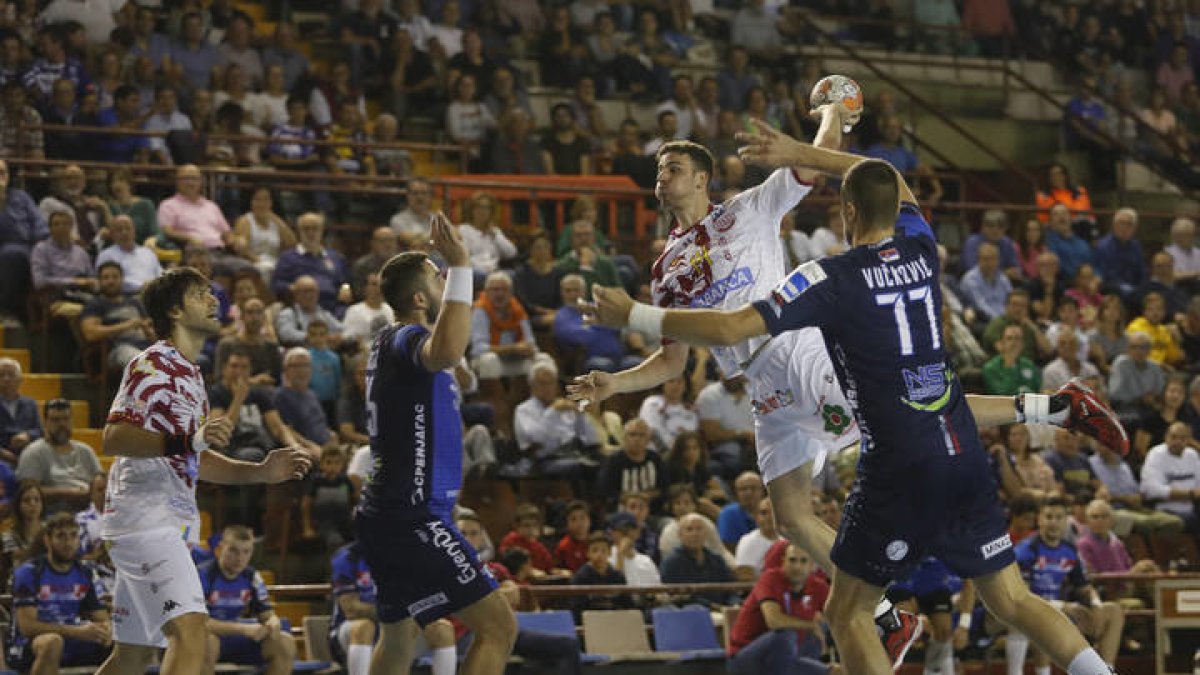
(242, 624)
(1053, 570)
(924, 483)
(422, 566)
(57, 618)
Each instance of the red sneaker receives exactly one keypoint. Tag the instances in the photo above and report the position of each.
(1088, 415)
(900, 631)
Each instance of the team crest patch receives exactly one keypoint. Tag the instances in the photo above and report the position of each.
(836, 419)
(889, 254)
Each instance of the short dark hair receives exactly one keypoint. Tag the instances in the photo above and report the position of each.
(1052, 501)
(563, 106)
(576, 505)
(701, 158)
(401, 277)
(1023, 502)
(236, 349)
(63, 520)
(125, 91)
(109, 263)
(873, 187)
(55, 404)
(598, 537)
(515, 558)
(165, 293)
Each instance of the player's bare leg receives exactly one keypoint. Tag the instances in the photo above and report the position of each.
(1009, 599)
(396, 649)
(279, 651)
(850, 612)
(127, 659)
(187, 642)
(791, 499)
(494, 626)
(212, 653)
(47, 654)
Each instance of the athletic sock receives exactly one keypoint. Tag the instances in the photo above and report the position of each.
(939, 658)
(445, 661)
(1042, 408)
(1088, 662)
(1015, 648)
(358, 659)
(1041, 670)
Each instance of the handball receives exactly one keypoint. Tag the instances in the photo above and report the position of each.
(842, 92)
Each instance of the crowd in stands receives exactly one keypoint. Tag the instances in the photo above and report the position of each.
(664, 483)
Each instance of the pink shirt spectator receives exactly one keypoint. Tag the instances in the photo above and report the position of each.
(1103, 555)
(200, 220)
(1173, 79)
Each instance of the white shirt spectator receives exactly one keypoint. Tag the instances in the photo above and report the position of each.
(1187, 263)
(668, 540)
(536, 423)
(408, 223)
(468, 122)
(487, 250)
(752, 549)
(1081, 338)
(1057, 373)
(96, 16)
(362, 464)
(667, 420)
(640, 570)
(138, 266)
(822, 241)
(362, 322)
(716, 403)
(1164, 471)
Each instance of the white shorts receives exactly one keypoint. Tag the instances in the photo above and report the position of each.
(156, 581)
(800, 412)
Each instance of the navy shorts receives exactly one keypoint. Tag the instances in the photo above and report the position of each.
(75, 653)
(932, 503)
(422, 567)
(241, 650)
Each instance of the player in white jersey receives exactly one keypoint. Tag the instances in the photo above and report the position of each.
(158, 427)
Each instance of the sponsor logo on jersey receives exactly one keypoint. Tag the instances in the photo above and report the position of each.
(170, 606)
(996, 547)
(418, 494)
(904, 274)
(777, 400)
(698, 259)
(896, 550)
(445, 540)
(927, 382)
(427, 603)
(836, 419)
(738, 279)
(797, 282)
(723, 220)
(1179, 477)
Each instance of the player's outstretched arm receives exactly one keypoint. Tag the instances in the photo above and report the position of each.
(447, 343)
(668, 362)
(614, 307)
(283, 464)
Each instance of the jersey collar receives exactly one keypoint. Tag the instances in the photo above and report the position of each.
(676, 229)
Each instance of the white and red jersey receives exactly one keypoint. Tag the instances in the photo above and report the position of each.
(731, 258)
(161, 391)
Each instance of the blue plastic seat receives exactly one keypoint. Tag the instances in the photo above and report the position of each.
(557, 622)
(689, 631)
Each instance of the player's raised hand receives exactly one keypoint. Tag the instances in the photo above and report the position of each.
(592, 388)
(768, 146)
(447, 241)
(217, 432)
(610, 306)
(284, 464)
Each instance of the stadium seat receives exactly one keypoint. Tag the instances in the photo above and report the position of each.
(21, 356)
(620, 635)
(557, 622)
(316, 632)
(41, 386)
(94, 438)
(688, 631)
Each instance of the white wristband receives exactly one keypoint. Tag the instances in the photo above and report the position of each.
(1037, 409)
(647, 319)
(964, 621)
(199, 445)
(460, 285)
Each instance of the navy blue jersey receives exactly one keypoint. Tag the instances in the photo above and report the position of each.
(60, 597)
(242, 597)
(1053, 572)
(415, 429)
(879, 309)
(350, 575)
